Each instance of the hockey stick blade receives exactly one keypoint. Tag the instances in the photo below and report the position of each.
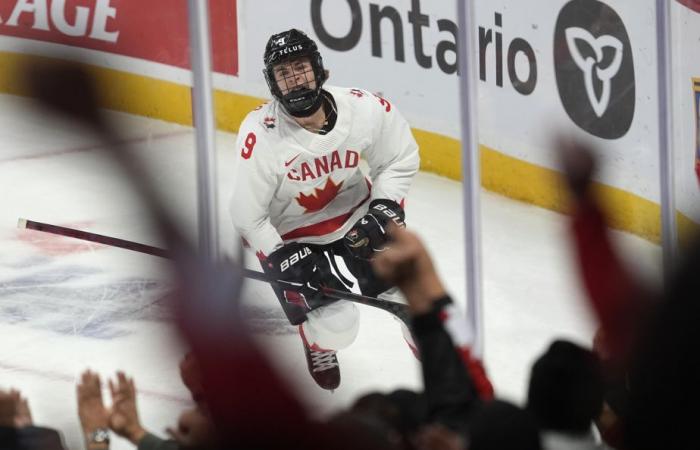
(398, 309)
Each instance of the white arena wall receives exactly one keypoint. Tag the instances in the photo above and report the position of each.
(529, 91)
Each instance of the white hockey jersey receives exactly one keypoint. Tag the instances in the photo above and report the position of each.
(293, 185)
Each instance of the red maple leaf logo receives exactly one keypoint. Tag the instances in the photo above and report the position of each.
(320, 197)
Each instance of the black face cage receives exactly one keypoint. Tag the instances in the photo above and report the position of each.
(318, 70)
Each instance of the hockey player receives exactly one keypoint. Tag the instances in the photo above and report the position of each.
(302, 202)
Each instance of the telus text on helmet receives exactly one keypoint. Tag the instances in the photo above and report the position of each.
(491, 43)
(288, 50)
(55, 17)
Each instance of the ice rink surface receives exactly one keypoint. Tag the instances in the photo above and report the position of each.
(66, 305)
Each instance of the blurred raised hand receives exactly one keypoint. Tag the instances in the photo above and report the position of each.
(124, 417)
(407, 264)
(195, 429)
(91, 410)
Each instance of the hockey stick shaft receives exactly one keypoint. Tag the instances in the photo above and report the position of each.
(92, 237)
(397, 309)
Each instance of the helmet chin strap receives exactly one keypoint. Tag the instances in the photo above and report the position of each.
(318, 102)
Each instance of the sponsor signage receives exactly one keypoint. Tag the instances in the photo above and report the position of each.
(692, 4)
(593, 58)
(491, 48)
(154, 30)
(594, 68)
(420, 25)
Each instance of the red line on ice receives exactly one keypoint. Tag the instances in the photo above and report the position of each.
(57, 376)
(53, 245)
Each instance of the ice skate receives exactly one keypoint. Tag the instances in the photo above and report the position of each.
(323, 367)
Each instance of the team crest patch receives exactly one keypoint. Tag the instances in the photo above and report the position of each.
(353, 239)
(269, 122)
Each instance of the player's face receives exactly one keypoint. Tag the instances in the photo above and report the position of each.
(295, 74)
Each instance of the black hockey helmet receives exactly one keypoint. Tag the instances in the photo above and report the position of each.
(286, 46)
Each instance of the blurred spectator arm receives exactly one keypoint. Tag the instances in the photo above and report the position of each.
(152, 442)
(615, 296)
(17, 430)
(449, 388)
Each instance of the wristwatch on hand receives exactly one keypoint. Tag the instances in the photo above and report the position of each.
(99, 436)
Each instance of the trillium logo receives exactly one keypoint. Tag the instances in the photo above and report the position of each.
(590, 65)
(594, 68)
